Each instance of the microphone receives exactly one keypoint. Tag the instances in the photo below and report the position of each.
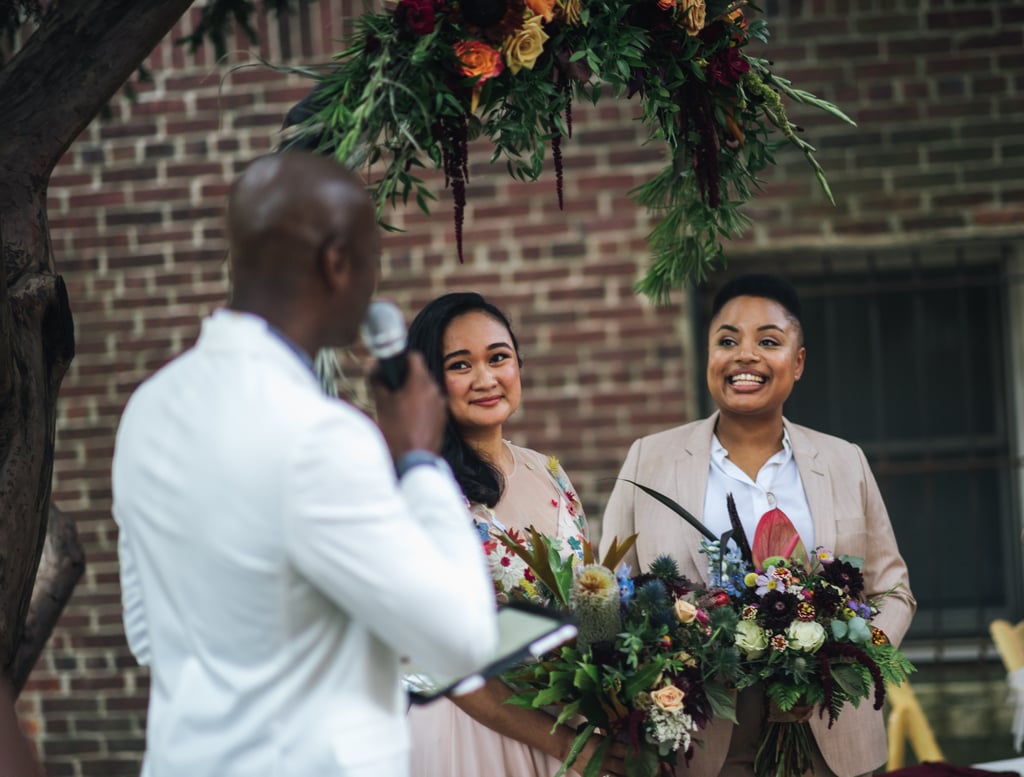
(383, 332)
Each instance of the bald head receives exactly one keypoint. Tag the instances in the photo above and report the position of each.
(293, 219)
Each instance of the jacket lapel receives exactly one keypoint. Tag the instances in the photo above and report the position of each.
(692, 484)
(817, 487)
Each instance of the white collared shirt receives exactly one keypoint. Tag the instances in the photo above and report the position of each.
(778, 484)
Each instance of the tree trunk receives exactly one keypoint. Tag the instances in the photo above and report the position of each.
(83, 51)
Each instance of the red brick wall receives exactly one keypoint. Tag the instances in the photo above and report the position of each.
(937, 89)
(136, 209)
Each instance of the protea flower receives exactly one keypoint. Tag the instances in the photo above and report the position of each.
(594, 600)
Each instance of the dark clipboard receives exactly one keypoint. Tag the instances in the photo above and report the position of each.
(524, 631)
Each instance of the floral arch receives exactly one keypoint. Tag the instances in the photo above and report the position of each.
(418, 81)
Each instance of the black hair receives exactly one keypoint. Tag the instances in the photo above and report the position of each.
(762, 285)
(480, 480)
(312, 138)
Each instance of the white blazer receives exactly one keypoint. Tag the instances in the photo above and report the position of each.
(274, 571)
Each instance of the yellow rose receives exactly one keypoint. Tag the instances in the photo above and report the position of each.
(668, 698)
(693, 16)
(545, 9)
(685, 611)
(524, 46)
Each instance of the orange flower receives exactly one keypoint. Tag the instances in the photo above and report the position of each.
(738, 137)
(545, 9)
(666, 5)
(737, 19)
(478, 59)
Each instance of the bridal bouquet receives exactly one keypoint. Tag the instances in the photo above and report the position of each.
(804, 630)
(649, 661)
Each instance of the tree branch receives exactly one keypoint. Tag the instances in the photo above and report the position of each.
(60, 568)
(6, 333)
(68, 69)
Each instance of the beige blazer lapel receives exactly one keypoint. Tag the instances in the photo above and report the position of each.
(817, 487)
(692, 483)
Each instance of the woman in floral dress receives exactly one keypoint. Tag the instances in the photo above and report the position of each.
(471, 350)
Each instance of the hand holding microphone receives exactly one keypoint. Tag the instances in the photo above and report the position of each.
(411, 412)
(383, 332)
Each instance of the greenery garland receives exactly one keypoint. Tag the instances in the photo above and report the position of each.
(420, 80)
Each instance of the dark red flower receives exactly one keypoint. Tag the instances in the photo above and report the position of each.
(727, 67)
(778, 609)
(417, 15)
(845, 576)
(827, 601)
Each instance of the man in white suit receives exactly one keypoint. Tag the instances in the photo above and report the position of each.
(277, 559)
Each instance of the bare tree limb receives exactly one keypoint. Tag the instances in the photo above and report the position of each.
(82, 53)
(6, 335)
(61, 566)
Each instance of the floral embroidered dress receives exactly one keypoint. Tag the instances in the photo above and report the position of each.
(446, 742)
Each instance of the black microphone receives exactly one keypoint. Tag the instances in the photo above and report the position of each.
(383, 332)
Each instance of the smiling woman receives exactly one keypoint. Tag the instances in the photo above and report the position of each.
(755, 355)
(470, 348)
(774, 470)
(481, 377)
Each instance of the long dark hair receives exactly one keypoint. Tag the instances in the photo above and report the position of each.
(480, 480)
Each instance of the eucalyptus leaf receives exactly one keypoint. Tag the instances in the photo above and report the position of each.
(850, 680)
(641, 762)
(722, 700)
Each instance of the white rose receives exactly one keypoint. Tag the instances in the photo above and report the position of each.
(751, 639)
(807, 636)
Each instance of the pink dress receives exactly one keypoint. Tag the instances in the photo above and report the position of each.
(446, 742)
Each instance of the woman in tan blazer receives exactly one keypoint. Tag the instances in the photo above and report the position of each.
(747, 448)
